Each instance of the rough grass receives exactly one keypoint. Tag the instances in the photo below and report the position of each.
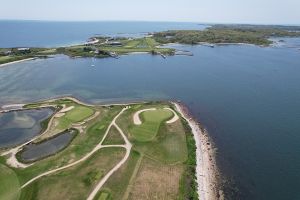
(9, 184)
(151, 122)
(118, 182)
(7, 59)
(113, 137)
(169, 146)
(78, 181)
(104, 196)
(156, 181)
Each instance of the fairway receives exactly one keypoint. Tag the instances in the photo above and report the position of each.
(9, 184)
(151, 121)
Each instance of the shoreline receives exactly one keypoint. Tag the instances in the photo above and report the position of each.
(17, 61)
(207, 172)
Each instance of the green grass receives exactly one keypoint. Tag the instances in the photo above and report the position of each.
(7, 59)
(48, 52)
(118, 182)
(75, 182)
(151, 121)
(164, 144)
(104, 196)
(77, 114)
(169, 147)
(113, 137)
(258, 35)
(137, 45)
(80, 146)
(9, 184)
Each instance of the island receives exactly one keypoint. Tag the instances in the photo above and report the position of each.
(116, 151)
(153, 43)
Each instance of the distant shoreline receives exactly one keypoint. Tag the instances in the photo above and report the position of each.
(17, 61)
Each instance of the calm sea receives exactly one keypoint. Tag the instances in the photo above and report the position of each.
(51, 34)
(247, 97)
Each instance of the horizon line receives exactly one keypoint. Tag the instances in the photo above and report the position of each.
(149, 21)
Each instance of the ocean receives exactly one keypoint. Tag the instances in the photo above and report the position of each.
(247, 97)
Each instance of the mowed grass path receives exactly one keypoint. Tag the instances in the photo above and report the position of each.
(151, 121)
(9, 184)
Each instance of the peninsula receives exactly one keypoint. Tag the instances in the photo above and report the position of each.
(115, 152)
(104, 46)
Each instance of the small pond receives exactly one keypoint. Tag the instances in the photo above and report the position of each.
(33, 152)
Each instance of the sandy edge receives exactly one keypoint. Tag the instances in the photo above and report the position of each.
(206, 168)
(17, 61)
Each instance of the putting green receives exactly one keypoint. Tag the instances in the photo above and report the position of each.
(77, 114)
(9, 184)
(151, 121)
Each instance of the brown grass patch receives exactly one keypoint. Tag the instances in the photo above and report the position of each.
(156, 181)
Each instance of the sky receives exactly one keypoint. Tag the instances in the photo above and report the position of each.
(204, 11)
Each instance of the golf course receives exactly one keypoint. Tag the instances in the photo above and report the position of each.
(136, 151)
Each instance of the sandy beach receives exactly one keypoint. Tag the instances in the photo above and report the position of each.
(17, 61)
(206, 170)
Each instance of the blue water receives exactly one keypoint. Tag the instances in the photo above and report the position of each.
(20, 126)
(51, 34)
(33, 152)
(247, 97)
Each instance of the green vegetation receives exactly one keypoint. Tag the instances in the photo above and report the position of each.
(160, 162)
(80, 146)
(102, 47)
(77, 114)
(75, 182)
(151, 124)
(105, 47)
(104, 196)
(113, 137)
(119, 181)
(188, 184)
(9, 184)
(225, 34)
(147, 44)
(14, 54)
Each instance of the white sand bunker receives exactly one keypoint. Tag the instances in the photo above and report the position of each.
(174, 118)
(137, 120)
(136, 116)
(66, 109)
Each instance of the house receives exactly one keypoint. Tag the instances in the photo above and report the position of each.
(114, 43)
(23, 50)
(5, 53)
(91, 41)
